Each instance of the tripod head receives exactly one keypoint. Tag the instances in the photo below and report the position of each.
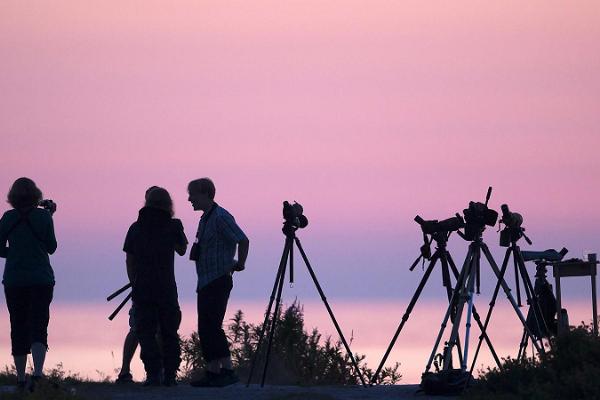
(477, 216)
(294, 218)
(513, 229)
(438, 231)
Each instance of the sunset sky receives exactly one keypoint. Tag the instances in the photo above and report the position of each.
(366, 112)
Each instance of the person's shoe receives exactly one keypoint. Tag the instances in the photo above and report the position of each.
(124, 378)
(208, 380)
(227, 377)
(170, 380)
(21, 386)
(152, 380)
(35, 381)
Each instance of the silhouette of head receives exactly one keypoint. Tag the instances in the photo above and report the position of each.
(201, 193)
(159, 198)
(24, 194)
(151, 188)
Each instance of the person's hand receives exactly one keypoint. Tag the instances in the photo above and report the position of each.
(238, 266)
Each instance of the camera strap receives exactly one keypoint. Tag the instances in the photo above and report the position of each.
(205, 218)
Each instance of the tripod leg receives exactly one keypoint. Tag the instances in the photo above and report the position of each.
(517, 281)
(406, 315)
(455, 296)
(532, 299)
(489, 314)
(274, 322)
(446, 279)
(470, 292)
(120, 306)
(279, 276)
(477, 320)
(324, 299)
(522, 346)
(506, 289)
(291, 265)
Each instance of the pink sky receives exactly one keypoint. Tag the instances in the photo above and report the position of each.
(366, 112)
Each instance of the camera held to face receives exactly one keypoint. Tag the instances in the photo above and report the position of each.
(49, 205)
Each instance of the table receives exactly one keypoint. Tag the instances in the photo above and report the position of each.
(565, 269)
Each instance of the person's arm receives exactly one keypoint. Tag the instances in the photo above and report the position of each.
(230, 229)
(50, 238)
(243, 247)
(129, 253)
(129, 261)
(3, 237)
(181, 241)
(181, 249)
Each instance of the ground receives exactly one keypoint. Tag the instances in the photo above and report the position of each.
(254, 392)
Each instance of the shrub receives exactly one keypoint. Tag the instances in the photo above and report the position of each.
(569, 370)
(297, 357)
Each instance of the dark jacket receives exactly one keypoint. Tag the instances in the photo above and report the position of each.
(152, 240)
(30, 241)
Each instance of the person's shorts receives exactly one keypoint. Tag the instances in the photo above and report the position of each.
(132, 318)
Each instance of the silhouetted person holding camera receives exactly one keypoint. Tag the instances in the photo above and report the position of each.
(150, 245)
(28, 276)
(217, 239)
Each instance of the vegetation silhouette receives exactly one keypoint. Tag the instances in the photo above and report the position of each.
(569, 371)
(297, 358)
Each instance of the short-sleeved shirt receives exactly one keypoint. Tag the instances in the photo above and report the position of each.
(217, 237)
(30, 241)
(152, 240)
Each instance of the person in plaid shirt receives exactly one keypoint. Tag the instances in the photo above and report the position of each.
(217, 240)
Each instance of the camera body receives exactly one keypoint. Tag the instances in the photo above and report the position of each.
(477, 216)
(293, 214)
(434, 226)
(49, 205)
(513, 230)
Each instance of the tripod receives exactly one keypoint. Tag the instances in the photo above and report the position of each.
(122, 304)
(463, 294)
(520, 274)
(289, 231)
(441, 253)
(541, 288)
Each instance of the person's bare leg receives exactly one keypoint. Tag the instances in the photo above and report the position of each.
(38, 353)
(129, 347)
(20, 365)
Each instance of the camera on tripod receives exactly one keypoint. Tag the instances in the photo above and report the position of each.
(477, 216)
(293, 214)
(434, 226)
(513, 231)
(439, 230)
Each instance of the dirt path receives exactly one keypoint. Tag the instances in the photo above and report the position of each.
(254, 392)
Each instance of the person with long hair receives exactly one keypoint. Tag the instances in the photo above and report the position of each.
(150, 246)
(131, 340)
(28, 276)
